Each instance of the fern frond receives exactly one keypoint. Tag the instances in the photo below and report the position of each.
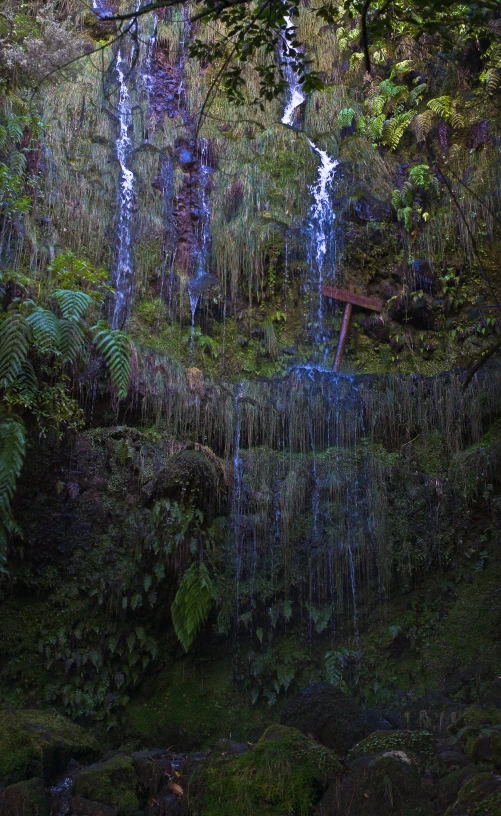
(416, 93)
(115, 347)
(422, 124)
(491, 79)
(446, 109)
(44, 324)
(345, 117)
(70, 339)
(25, 386)
(72, 303)
(192, 604)
(394, 128)
(14, 344)
(376, 126)
(12, 452)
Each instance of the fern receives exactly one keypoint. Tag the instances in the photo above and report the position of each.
(71, 339)
(44, 325)
(421, 125)
(73, 304)
(394, 129)
(335, 662)
(416, 93)
(14, 345)
(345, 117)
(25, 387)
(192, 604)
(114, 345)
(445, 107)
(12, 453)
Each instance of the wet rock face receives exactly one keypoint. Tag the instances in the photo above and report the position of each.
(325, 715)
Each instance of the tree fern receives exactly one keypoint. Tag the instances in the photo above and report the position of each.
(71, 339)
(114, 345)
(25, 387)
(14, 344)
(192, 604)
(73, 304)
(44, 325)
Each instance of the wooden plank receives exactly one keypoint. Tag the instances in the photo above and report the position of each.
(353, 298)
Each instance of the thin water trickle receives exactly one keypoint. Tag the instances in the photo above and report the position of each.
(124, 272)
(236, 509)
(202, 255)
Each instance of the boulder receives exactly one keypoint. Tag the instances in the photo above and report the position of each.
(326, 715)
(387, 783)
(84, 807)
(170, 805)
(25, 798)
(433, 711)
(285, 772)
(40, 743)
(113, 783)
(193, 476)
(481, 795)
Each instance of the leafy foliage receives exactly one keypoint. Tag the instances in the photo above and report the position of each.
(114, 345)
(12, 452)
(14, 345)
(192, 604)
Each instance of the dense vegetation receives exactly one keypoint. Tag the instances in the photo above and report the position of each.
(197, 518)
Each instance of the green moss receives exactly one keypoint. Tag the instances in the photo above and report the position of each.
(24, 799)
(421, 743)
(189, 704)
(113, 782)
(481, 796)
(40, 743)
(283, 774)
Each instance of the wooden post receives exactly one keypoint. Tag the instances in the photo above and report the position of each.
(351, 299)
(343, 337)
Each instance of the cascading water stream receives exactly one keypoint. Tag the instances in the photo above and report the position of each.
(196, 283)
(236, 505)
(123, 278)
(124, 271)
(322, 216)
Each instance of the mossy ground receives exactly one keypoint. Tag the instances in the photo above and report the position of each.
(113, 782)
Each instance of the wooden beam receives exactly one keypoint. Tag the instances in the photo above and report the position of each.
(353, 298)
(342, 337)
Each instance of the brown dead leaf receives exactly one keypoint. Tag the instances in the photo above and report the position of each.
(175, 788)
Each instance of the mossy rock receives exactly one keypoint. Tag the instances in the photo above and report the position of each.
(477, 716)
(481, 796)
(285, 773)
(25, 798)
(485, 746)
(194, 476)
(420, 744)
(113, 782)
(388, 783)
(40, 743)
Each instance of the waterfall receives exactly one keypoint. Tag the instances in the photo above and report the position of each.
(236, 505)
(124, 276)
(202, 254)
(321, 219)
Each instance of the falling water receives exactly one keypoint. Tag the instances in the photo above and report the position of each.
(321, 220)
(124, 272)
(196, 284)
(321, 225)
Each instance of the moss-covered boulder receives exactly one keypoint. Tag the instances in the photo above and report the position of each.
(40, 743)
(481, 796)
(25, 798)
(113, 782)
(419, 744)
(327, 715)
(285, 773)
(193, 476)
(388, 783)
(485, 747)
